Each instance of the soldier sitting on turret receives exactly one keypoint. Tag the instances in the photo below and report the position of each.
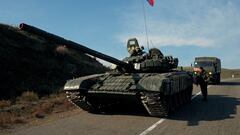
(133, 47)
(155, 53)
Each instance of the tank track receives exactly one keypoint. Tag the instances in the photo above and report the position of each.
(154, 105)
(158, 105)
(80, 101)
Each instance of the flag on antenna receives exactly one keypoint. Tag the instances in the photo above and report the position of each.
(151, 2)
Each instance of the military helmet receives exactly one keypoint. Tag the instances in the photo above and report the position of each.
(154, 52)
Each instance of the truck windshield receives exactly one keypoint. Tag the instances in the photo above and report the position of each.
(203, 64)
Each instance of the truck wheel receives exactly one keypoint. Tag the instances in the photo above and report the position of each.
(219, 78)
(215, 79)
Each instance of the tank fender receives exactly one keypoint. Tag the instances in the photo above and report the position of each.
(81, 82)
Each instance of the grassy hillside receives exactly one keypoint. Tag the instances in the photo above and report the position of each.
(225, 73)
(31, 63)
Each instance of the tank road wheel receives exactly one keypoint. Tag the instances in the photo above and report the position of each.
(155, 104)
(83, 104)
(166, 103)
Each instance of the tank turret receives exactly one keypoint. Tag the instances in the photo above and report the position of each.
(153, 61)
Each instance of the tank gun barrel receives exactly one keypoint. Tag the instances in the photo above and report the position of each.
(73, 45)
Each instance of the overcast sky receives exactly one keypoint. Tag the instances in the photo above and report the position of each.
(182, 28)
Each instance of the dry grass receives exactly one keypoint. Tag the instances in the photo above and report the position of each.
(47, 107)
(62, 49)
(20, 120)
(68, 105)
(4, 104)
(30, 106)
(228, 73)
(52, 104)
(59, 103)
(6, 119)
(28, 96)
(42, 110)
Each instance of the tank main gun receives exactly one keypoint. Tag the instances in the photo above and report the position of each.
(139, 61)
(59, 40)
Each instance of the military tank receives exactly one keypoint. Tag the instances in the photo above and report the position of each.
(148, 79)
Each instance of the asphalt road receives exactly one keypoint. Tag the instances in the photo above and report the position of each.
(220, 115)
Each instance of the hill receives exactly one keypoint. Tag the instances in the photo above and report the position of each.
(228, 73)
(225, 73)
(31, 63)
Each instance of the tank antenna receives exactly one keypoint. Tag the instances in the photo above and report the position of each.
(145, 23)
(152, 43)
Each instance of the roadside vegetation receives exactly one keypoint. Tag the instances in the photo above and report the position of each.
(30, 62)
(33, 71)
(30, 106)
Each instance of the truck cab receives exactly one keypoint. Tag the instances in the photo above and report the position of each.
(212, 65)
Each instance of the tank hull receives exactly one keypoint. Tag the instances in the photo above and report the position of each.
(159, 93)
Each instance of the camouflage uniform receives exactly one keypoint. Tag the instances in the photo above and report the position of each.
(202, 80)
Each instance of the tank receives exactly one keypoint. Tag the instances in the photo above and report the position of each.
(148, 79)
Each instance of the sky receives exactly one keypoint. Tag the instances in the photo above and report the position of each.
(182, 28)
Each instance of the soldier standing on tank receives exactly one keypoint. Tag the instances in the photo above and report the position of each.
(202, 80)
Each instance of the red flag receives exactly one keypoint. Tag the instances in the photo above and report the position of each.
(151, 2)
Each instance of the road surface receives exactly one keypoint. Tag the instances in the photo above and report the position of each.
(220, 115)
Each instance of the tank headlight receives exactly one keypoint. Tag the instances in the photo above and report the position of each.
(210, 73)
(113, 66)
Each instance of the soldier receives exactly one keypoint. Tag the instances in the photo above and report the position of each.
(202, 80)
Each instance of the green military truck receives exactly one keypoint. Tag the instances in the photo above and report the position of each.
(212, 65)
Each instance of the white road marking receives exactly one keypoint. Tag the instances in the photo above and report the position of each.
(199, 93)
(196, 95)
(162, 120)
(152, 127)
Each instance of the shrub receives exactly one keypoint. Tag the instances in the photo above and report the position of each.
(67, 105)
(20, 120)
(42, 110)
(28, 96)
(4, 104)
(6, 119)
(47, 107)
